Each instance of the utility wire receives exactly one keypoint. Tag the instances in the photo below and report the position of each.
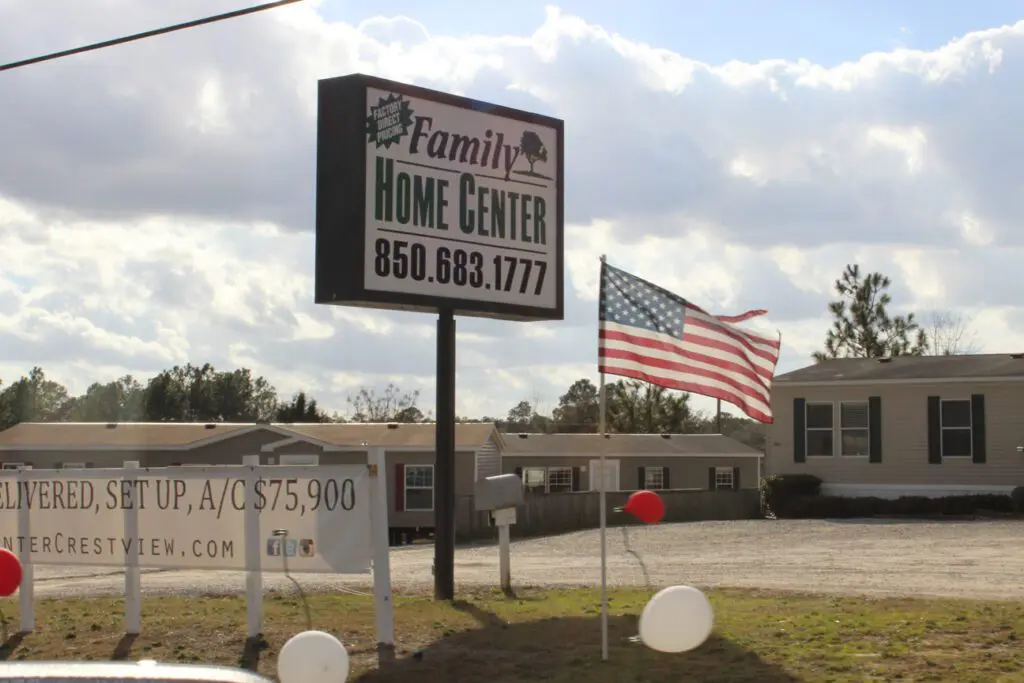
(147, 34)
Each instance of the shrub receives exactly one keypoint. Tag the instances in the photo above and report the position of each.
(778, 491)
(966, 505)
(837, 507)
(1017, 496)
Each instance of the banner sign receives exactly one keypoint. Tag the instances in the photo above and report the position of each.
(314, 519)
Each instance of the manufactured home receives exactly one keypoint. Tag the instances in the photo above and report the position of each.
(571, 462)
(409, 452)
(907, 425)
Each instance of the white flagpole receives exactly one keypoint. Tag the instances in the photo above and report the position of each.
(603, 511)
(602, 419)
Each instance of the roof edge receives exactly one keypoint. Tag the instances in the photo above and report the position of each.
(243, 428)
(897, 382)
(151, 424)
(609, 435)
(597, 456)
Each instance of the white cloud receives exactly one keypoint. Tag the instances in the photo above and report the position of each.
(156, 199)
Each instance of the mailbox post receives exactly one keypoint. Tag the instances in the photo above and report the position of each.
(499, 496)
(504, 519)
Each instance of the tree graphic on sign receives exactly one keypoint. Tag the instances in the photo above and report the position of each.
(532, 147)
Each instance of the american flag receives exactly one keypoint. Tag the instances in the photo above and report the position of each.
(651, 334)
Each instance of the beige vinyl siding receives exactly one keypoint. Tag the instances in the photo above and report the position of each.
(488, 461)
(904, 437)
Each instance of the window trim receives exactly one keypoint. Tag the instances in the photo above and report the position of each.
(807, 429)
(557, 468)
(867, 411)
(969, 428)
(526, 478)
(648, 469)
(732, 478)
(406, 488)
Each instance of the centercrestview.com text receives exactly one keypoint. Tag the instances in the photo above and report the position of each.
(110, 547)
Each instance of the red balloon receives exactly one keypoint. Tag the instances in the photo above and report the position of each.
(10, 572)
(647, 506)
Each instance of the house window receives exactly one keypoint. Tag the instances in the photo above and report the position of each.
(956, 428)
(74, 465)
(654, 478)
(853, 428)
(820, 429)
(419, 488)
(559, 480)
(13, 465)
(535, 478)
(724, 478)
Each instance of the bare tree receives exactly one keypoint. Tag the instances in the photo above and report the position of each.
(950, 334)
(393, 405)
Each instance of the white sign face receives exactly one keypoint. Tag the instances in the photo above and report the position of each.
(193, 518)
(460, 203)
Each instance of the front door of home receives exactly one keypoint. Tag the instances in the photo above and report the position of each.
(611, 474)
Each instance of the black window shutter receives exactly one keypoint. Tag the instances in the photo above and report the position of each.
(575, 478)
(978, 427)
(934, 431)
(875, 429)
(711, 478)
(519, 472)
(799, 433)
(400, 487)
(640, 478)
(664, 477)
(736, 478)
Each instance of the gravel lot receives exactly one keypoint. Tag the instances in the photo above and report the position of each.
(981, 559)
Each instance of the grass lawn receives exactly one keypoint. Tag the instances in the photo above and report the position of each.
(555, 636)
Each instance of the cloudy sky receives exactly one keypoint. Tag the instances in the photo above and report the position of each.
(156, 199)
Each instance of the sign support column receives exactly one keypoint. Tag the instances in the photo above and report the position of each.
(444, 463)
(431, 202)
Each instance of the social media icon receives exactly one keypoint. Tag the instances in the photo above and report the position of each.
(307, 548)
(273, 547)
(291, 546)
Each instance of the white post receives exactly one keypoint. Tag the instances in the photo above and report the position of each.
(381, 555)
(504, 519)
(26, 592)
(603, 511)
(132, 579)
(253, 559)
(504, 560)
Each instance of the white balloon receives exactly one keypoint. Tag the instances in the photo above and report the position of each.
(313, 657)
(677, 619)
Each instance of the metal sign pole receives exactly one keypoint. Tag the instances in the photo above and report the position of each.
(444, 467)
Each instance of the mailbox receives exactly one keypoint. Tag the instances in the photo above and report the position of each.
(498, 492)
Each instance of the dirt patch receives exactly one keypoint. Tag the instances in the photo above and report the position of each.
(970, 559)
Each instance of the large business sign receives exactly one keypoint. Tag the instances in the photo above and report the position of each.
(310, 519)
(426, 200)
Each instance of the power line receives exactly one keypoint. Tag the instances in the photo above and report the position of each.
(147, 34)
